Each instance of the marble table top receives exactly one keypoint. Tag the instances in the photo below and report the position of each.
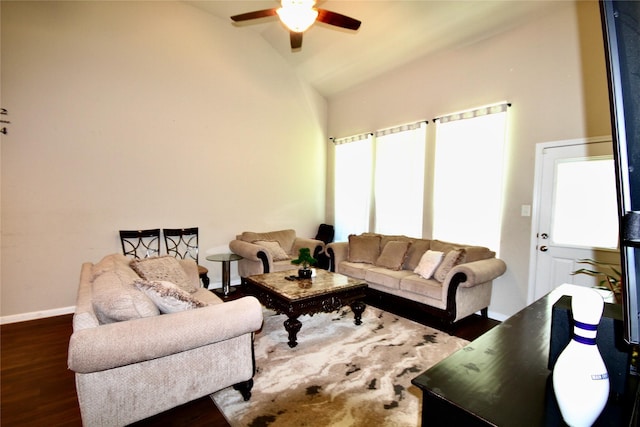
(323, 282)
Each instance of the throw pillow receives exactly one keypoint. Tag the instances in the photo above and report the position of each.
(429, 263)
(417, 249)
(169, 298)
(165, 268)
(364, 248)
(115, 299)
(274, 248)
(451, 259)
(393, 255)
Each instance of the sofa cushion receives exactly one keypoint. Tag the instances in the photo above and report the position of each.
(274, 248)
(115, 299)
(284, 237)
(165, 268)
(450, 260)
(429, 263)
(357, 270)
(385, 277)
(427, 287)
(168, 297)
(393, 254)
(364, 248)
(416, 250)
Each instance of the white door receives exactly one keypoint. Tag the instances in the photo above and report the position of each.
(576, 213)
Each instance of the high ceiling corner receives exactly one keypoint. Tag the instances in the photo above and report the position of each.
(393, 33)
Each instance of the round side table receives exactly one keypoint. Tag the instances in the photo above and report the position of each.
(225, 259)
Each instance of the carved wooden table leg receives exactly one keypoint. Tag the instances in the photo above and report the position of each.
(292, 325)
(358, 308)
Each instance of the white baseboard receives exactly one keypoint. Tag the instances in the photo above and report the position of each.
(70, 310)
(36, 315)
(497, 316)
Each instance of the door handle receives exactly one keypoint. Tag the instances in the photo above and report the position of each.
(544, 248)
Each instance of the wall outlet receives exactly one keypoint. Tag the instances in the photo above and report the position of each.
(525, 210)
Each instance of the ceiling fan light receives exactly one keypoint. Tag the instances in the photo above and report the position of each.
(297, 16)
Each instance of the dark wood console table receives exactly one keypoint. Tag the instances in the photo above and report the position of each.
(502, 379)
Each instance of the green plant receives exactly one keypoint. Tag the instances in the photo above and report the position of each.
(304, 258)
(611, 273)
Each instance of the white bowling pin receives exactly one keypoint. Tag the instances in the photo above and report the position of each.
(580, 377)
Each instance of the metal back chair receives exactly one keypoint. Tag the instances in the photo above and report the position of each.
(182, 243)
(140, 243)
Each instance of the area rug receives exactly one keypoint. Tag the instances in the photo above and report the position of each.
(340, 374)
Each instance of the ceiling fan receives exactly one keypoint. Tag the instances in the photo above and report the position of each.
(298, 16)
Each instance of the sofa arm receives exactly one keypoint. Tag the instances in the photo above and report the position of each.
(338, 252)
(478, 272)
(123, 343)
(316, 246)
(249, 251)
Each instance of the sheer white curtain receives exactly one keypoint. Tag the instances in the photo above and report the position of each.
(399, 179)
(469, 162)
(353, 185)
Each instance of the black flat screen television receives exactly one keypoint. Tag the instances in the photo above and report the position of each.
(621, 28)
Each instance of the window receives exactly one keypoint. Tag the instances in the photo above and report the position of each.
(467, 199)
(585, 195)
(399, 180)
(353, 171)
(379, 182)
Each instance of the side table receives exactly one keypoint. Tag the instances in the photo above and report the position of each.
(225, 259)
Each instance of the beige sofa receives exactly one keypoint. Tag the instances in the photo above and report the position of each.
(267, 252)
(131, 361)
(459, 285)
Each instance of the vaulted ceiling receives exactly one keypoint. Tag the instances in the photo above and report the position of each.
(393, 33)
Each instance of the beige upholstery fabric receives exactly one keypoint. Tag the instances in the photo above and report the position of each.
(168, 297)
(450, 260)
(416, 250)
(130, 370)
(274, 248)
(364, 248)
(115, 299)
(163, 268)
(252, 261)
(393, 254)
(417, 285)
(385, 277)
(284, 237)
(478, 269)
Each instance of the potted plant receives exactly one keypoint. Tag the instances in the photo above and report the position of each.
(611, 275)
(305, 260)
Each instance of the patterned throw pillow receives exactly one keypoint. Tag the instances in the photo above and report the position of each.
(165, 268)
(429, 263)
(274, 248)
(169, 298)
(451, 259)
(393, 255)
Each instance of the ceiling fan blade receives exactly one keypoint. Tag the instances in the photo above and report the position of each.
(254, 15)
(337, 19)
(296, 40)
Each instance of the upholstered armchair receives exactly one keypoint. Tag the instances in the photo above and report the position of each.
(272, 251)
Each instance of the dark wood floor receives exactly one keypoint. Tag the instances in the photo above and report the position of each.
(37, 388)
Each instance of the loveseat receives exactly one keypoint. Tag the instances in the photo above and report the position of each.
(267, 252)
(447, 281)
(147, 339)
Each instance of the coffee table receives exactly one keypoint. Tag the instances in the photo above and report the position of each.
(326, 292)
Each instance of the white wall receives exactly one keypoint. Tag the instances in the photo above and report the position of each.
(130, 115)
(552, 70)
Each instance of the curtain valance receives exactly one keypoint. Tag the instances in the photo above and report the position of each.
(478, 112)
